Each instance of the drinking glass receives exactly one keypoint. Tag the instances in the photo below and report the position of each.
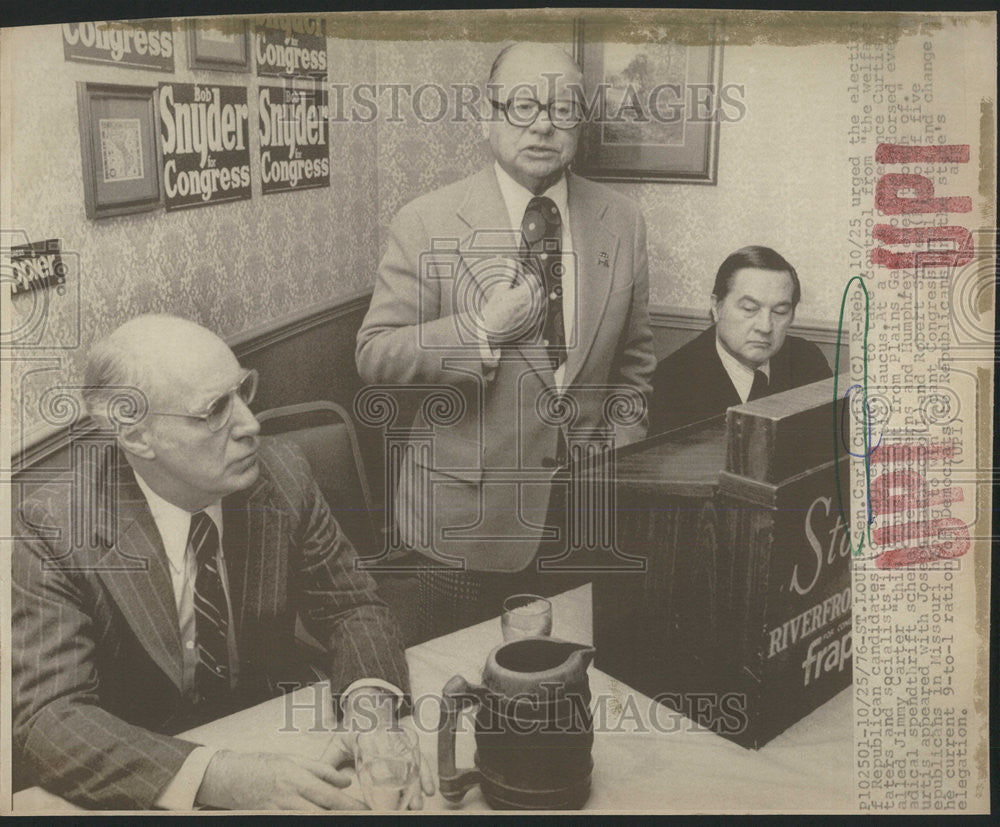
(388, 766)
(526, 615)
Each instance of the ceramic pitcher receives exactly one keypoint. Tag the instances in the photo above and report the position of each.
(534, 728)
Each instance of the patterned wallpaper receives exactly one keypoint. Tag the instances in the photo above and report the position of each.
(236, 266)
(778, 185)
(229, 266)
(776, 174)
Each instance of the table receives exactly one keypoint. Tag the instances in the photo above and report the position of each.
(647, 758)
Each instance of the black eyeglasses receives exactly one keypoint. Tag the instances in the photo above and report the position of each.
(220, 410)
(522, 112)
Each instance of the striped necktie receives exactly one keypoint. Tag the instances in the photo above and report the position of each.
(210, 608)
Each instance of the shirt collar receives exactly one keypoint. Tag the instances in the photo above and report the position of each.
(174, 521)
(734, 365)
(516, 197)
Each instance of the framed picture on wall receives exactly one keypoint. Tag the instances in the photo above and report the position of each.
(653, 104)
(218, 43)
(118, 145)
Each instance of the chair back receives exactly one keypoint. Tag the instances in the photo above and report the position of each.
(328, 438)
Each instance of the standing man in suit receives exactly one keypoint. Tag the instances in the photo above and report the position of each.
(518, 296)
(171, 597)
(746, 353)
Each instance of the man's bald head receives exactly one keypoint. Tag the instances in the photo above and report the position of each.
(149, 353)
(529, 79)
(175, 373)
(551, 58)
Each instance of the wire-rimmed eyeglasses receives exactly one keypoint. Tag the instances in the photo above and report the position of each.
(219, 411)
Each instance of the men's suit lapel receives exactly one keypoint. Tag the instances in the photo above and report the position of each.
(135, 572)
(250, 541)
(594, 246)
(135, 568)
(715, 374)
(236, 530)
(484, 209)
(781, 370)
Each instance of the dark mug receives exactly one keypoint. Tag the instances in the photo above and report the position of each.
(534, 728)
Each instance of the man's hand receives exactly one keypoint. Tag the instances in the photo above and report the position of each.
(340, 750)
(270, 781)
(512, 308)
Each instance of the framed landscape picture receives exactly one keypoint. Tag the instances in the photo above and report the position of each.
(118, 145)
(654, 104)
(220, 44)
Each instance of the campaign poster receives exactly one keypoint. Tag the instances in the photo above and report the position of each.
(294, 139)
(204, 132)
(137, 44)
(290, 47)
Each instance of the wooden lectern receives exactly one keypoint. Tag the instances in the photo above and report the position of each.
(742, 618)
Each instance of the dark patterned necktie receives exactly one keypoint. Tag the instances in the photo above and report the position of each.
(541, 230)
(760, 386)
(210, 609)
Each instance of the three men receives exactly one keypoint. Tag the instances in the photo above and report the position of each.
(172, 599)
(746, 353)
(519, 296)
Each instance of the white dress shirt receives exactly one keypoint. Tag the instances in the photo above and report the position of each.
(174, 525)
(741, 375)
(516, 198)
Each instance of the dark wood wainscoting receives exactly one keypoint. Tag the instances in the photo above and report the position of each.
(310, 355)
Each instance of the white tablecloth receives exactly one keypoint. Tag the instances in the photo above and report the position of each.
(672, 767)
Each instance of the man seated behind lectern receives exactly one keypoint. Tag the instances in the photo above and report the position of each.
(746, 353)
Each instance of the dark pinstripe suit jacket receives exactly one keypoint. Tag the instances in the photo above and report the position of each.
(96, 640)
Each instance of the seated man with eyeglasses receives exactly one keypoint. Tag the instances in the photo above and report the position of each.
(519, 295)
(158, 588)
